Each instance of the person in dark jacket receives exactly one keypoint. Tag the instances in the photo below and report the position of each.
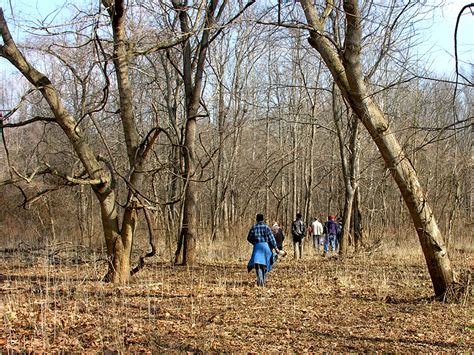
(298, 232)
(278, 234)
(331, 229)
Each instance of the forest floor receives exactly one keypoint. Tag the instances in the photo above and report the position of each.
(377, 302)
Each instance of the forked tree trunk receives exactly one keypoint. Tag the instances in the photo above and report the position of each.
(120, 267)
(349, 160)
(193, 70)
(347, 72)
(351, 181)
(194, 57)
(118, 240)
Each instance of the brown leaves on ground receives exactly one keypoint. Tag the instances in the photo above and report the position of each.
(315, 304)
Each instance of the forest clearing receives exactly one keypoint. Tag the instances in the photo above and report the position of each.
(146, 145)
(380, 301)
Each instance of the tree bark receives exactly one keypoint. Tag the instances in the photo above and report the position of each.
(118, 240)
(122, 248)
(192, 76)
(357, 223)
(347, 72)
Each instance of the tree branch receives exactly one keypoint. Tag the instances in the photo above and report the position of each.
(27, 122)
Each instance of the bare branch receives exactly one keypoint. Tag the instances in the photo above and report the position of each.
(74, 180)
(327, 11)
(27, 122)
(247, 5)
(456, 59)
(160, 46)
(151, 240)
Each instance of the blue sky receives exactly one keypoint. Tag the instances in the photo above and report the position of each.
(440, 39)
(437, 49)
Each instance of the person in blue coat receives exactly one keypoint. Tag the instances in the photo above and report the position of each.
(263, 241)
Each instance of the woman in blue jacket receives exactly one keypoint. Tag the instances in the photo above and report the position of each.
(263, 241)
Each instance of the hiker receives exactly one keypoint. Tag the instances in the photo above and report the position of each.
(298, 231)
(279, 238)
(330, 231)
(263, 241)
(317, 233)
(278, 234)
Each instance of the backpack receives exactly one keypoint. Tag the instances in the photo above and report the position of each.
(298, 228)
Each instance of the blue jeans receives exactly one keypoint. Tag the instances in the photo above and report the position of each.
(261, 273)
(330, 239)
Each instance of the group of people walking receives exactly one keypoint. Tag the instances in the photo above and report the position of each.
(328, 236)
(268, 242)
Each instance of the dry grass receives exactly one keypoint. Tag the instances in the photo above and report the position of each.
(370, 302)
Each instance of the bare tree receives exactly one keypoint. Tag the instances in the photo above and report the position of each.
(194, 54)
(345, 66)
(119, 231)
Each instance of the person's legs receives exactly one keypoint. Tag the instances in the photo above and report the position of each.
(326, 244)
(332, 240)
(259, 269)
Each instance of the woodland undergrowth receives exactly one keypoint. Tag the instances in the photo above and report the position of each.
(376, 300)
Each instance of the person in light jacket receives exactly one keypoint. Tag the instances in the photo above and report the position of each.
(317, 231)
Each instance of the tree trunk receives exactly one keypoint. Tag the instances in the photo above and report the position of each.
(357, 222)
(188, 229)
(347, 73)
(193, 70)
(350, 169)
(346, 173)
(100, 180)
(217, 200)
(121, 252)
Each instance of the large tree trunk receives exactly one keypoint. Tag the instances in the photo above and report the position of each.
(347, 73)
(405, 175)
(100, 179)
(122, 248)
(118, 240)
